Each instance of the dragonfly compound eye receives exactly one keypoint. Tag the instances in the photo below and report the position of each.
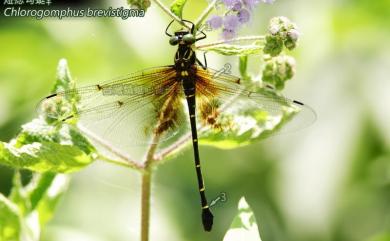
(189, 38)
(173, 40)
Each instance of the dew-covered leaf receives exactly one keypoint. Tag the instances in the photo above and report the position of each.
(244, 226)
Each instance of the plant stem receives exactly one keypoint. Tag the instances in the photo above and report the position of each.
(167, 11)
(174, 147)
(239, 39)
(149, 158)
(120, 162)
(129, 161)
(145, 204)
(205, 13)
(146, 186)
(178, 145)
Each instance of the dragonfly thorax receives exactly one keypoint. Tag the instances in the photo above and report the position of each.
(185, 57)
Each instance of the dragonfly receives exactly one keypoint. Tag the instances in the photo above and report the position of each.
(162, 103)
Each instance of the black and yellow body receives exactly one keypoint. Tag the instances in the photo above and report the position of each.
(154, 111)
(185, 61)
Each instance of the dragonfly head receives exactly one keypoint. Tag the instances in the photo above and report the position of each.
(182, 37)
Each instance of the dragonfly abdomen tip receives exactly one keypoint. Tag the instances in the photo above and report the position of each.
(207, 219)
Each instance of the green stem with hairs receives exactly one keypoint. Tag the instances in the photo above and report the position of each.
(233, 40)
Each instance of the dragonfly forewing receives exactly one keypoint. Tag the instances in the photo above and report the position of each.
(126, 111)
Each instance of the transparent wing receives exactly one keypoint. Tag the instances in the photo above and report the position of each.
(126, 111)
(225, 104)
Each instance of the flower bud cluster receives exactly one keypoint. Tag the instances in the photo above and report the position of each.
(278, 70)
(282, 33)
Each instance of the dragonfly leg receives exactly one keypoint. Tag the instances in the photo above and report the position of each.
(204, 66)
(166, 30)
(192, 25)
(203, 37)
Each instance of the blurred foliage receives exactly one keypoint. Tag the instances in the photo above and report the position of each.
(352, 15)
(365, 199)
(28, 208)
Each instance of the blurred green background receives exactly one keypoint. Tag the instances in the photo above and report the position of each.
(330, 182)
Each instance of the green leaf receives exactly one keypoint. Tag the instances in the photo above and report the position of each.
(27, 198)
(18, 195)
(177, 7)
(47, 193)
(10, 222)
(243, 66)
(44, 157)
(234, 49)
(139, 4)
(64, 80)
(246, 123)
(38, 130)
(44, 145)
(35, 203)
(244, 226)
(37, 188)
